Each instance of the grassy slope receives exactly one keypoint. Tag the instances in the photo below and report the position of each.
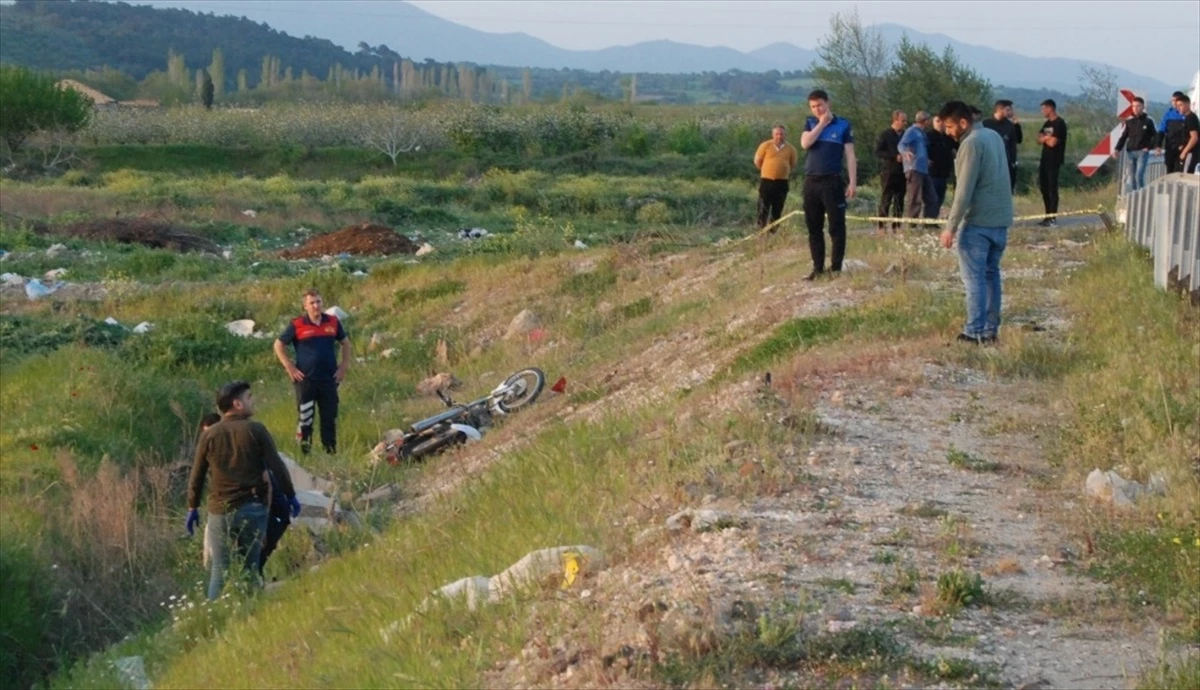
(579, 481)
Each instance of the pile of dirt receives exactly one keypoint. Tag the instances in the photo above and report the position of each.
(366, 239)
(151, 232)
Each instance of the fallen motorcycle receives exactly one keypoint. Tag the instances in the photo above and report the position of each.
(463, 421)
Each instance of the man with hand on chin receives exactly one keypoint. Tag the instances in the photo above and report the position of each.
(828, 140)
(981, 216)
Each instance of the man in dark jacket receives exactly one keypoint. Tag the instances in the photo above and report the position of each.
(1172, 135)
(1004, 123)
(236, 453)
(1137, 138)
(891, 170)
(941, 159)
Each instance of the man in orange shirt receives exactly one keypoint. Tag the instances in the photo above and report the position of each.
(775, 159)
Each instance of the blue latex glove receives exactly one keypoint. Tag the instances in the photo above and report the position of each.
(192, 520)
(295, 504)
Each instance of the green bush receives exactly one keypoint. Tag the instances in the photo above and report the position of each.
(25, 607)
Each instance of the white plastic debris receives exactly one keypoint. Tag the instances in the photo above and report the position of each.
(580, 245)
(55, 273)
(55, 249)
(242, 327)
(111, 321)
(12, 279)
(359, 274)
(338, 312)
(425, 249)
(250, 213)
(473, 233)
(143, 327)
(228, 253)
(36, 289)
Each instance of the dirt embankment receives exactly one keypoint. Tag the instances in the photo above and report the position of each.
(366, 239)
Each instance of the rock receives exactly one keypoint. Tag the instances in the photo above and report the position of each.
(132, 672)
(474, 590)
(338, 312)
(521, 325)
(853, 265)
(891, 269)
(705, 520)
(425, 250)
(544, 564)
(1110, 487)
(441, 381)
(686, 630)
(241, 327)
(837, 398)
(386, 492)
(55, 249)
(580, 245)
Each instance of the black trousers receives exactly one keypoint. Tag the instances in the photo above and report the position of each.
(771, 195)
(277, 524)
(1012, 177)
(825, 195)
(1048, 182)
(313, 397)
(1171, 159)
(894, 186)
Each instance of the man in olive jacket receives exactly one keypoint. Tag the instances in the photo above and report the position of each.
(235, 452)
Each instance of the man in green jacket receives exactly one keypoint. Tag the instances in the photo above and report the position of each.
(235, 452)
(981, 215)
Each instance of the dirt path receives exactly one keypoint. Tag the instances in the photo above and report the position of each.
(922, 468)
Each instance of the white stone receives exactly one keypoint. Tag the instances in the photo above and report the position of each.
(241, 327)
(476, 590)
(544, 563)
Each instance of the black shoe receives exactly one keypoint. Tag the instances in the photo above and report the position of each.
(1044, 223)
(973, 339)
(1052, 223)
(305, 447)
(815, 275)
(988, 340)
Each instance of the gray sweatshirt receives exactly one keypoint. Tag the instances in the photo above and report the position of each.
(983, 193)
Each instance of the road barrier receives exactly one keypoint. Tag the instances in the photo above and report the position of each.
(1164, 217)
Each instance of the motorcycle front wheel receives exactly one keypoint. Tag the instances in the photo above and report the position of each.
(524, 387)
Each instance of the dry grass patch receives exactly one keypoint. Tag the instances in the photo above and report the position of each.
(1005, 566)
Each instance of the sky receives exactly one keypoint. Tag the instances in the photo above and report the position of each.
(1156, 38)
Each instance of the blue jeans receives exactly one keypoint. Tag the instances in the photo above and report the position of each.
(939, 190)
(1135, 174)
(238, 534)
(979, 252)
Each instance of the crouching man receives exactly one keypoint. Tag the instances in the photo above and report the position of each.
(235, 453)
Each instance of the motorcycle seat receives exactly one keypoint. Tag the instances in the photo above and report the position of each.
(429, 423)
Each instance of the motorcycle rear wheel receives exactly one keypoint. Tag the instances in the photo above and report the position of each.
(437, 443)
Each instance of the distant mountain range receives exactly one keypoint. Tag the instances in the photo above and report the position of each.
(414, 32)
(135, 39)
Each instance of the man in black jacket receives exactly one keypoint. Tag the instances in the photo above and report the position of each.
(1004, 123)
(891, 170)
(941, 159)
(1138, 137)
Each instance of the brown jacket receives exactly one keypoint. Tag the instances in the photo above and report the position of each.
(236, 450)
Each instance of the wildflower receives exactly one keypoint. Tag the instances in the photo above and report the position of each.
(1177, 540)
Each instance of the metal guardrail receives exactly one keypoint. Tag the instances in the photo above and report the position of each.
(1164, 217)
